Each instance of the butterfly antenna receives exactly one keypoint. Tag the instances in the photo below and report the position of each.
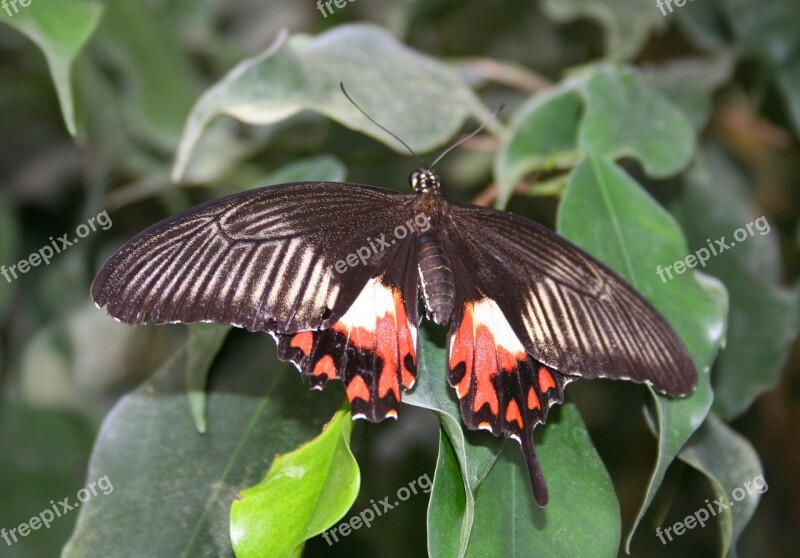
(362, 111)
(469, 137)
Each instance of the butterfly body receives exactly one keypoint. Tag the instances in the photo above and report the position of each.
(335, 273)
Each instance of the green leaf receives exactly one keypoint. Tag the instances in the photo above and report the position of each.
(305, 492)
(544, 137)
(627, 23)
(140, 42)
(690, 83)
(608, 214)
(607, 111)
(61, 29)
(734, 471)
(789, 82)
(451, 507)
(582, 518)
(625, 117)
(418, 98)
(715, 204)
(43, 456)
(475, 452)
(767, 31)
(8, 248)
(205, 341)
(173, 488)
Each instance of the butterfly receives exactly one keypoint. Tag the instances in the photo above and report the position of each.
(336, 273)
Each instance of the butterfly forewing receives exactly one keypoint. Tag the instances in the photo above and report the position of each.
(316, 264)
(258, 260)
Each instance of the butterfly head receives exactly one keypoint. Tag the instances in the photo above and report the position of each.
(425, 181)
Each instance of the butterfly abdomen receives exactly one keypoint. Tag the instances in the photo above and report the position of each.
(436, 279)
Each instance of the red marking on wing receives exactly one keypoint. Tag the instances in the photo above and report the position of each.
(462, 351)
(325, 366)
(533, 399)
(405, 341)
(485, 370)
(357, 389)
(303, 341)
(546, 380)
(513, 414)
(386, 348)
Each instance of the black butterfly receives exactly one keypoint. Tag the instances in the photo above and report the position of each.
(334, 271)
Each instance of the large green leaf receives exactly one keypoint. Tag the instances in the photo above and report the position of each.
(475, 453)
(173, 488)
(734, 471)
(582, 517)
(418, 98)
(61, 29)
(607, 213)
(625, 117)
(304, 493)
(606, 111)
(715, 204)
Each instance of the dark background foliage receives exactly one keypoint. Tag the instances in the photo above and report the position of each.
(730, 67)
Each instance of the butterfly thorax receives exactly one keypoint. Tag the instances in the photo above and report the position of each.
(435, 270)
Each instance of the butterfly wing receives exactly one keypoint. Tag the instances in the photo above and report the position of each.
(534, 311)
(306, 262)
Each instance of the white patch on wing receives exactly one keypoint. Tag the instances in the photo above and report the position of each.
(488, 313)
(374, 300)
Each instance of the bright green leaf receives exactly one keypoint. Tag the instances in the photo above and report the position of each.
(734, 471)
(608, 214)
(418, 98)
(582, 517)
(305, 492)
(61, 29)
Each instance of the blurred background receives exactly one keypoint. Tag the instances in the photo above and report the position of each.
(64, 364)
